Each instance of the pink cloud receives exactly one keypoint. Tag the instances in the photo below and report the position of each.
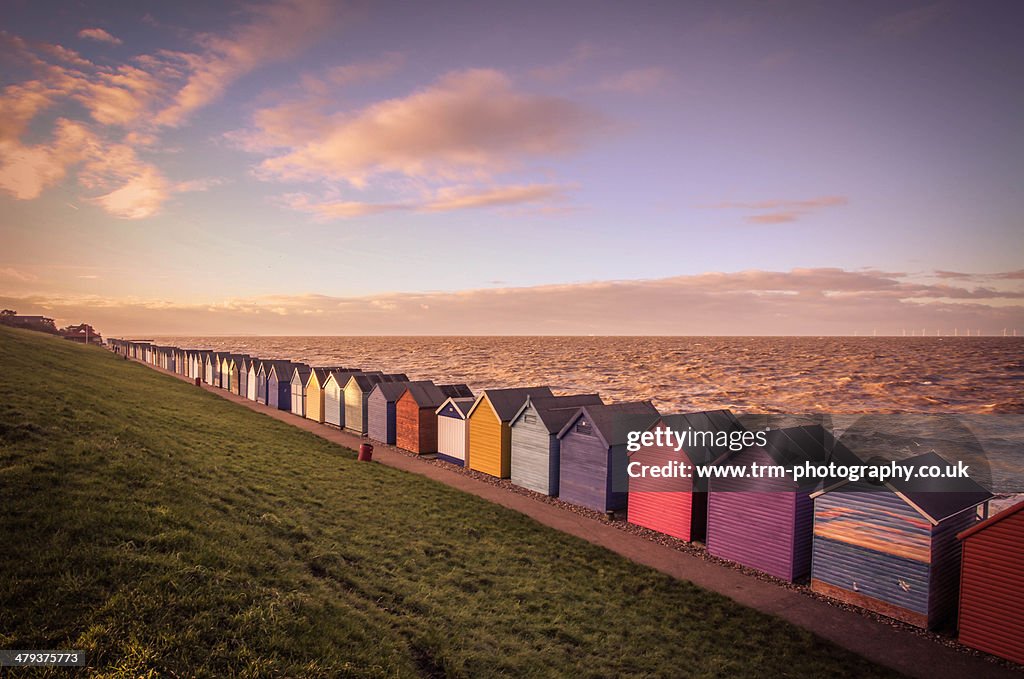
(444, 200)
(458, 198)
(778, 211)
(469, 124)
(26, 171)
(277, 31)
(99, 35)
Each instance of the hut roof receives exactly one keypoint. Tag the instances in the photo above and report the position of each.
(364, 381)
(996, 518)
(555, 411)
(710, 421)
(934, 498)
(302, 370)
(322, 373)
(391, 391)
(426, 394)
(613, 422)
(507, 402)
(456, 390)
(462, 405)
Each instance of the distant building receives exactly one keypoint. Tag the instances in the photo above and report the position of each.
(37, 323)
(83, 334)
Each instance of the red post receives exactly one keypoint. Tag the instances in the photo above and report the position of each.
(365, 452)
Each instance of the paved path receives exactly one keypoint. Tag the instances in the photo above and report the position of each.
(893, 647)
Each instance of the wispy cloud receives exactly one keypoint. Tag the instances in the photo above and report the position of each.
(561, 70)
(912, 21)
(636, 81)
(99, 35)
(444, 200)
(276, 31)
(781, 211)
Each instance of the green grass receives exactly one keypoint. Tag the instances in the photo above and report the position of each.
(169, 532)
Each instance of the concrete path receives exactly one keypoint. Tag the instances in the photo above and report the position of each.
(904, 651)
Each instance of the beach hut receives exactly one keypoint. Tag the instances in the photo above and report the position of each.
(765, 523)
(279, 390)
(380, 410)
(210, 360)
(225, 371)
(488, 435)
(236, 366)
(243, 375)
(678, 505)
(592, 452)
(252, 382)
(261, 381)
(334, 395)
(534, 439)
(992, 585)
(300, 373)
(357, 394)
(314, 387)
(893, 548)
(451, 429)
(416, 419)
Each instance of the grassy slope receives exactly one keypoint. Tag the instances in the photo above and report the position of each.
(168, 531)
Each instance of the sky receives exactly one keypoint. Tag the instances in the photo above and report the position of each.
(319, 167)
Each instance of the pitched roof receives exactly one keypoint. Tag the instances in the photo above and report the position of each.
(426, 394)
(363, 381)
(302, 371)
(322, 373)
(391, 391)
(462, 405)
(934, 498)
(555, 411)
(714, 421)
(996, 518)
(507, 402)
(456, 390)
(614, 422)
(939, 498)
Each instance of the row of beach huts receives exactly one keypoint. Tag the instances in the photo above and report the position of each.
(929, 557)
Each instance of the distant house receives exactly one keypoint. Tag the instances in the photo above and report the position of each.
(83, 334)
(37, 323)
(592, 468)
(416, 428)
(893, 548)
(451, 429)
(534, 439)
(992, 585)
(489, 438)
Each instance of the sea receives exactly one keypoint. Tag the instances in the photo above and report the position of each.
(888, 396)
